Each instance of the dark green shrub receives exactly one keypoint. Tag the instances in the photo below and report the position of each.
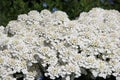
(9, 9)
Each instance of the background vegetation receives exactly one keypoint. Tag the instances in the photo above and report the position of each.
(9, 9)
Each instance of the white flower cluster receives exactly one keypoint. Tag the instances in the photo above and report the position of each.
(50, 43)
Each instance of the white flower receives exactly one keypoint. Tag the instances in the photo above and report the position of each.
(53, 71)
(118, 78)
(95, 73)
(34, 15)
(45, 14)
(59, 46)
(23, 17)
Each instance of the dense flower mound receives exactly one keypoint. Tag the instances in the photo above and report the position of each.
(50, 44)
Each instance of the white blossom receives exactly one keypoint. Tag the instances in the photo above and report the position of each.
(52, 43)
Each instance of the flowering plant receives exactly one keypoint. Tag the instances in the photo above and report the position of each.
(45, 43)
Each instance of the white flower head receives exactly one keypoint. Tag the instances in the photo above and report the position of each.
(49, 42)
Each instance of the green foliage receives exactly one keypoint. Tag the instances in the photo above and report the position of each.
(9, 9)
